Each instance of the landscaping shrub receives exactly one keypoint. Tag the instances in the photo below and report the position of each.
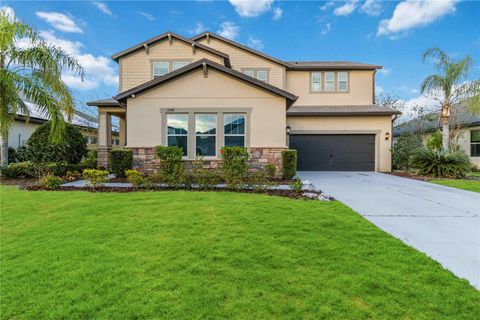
(91, 160)
(403, 149)
(235, 165)
(72, 176)
(137, 179)
(435, 141)
(71, 148)
(21, 154)
(258, 180)
(59, 169)
(171, 168)
(19, 170)
(201, 176)
(95, 177)
(296, 185)
(270, 170)
(50, 182)
(120, 161)
(12, 155)
(289, 164)
(440, 163)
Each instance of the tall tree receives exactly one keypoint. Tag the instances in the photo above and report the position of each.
(32, 71)
(451, 87)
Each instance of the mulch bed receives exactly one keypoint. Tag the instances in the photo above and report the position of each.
(411, 176)
(19, 182)
(279, 193)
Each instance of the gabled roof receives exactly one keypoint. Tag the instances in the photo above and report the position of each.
(121, 97)
(109, 102)
(164, 36)
(367, 110)
(325, 65)
(240, 46)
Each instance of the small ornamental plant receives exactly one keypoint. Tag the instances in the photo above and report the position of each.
(171, 168)
(289, 164)
(50, 182)
(120, 161)
(95, 177)
(137, 179)
(270, 170)
(235, 165)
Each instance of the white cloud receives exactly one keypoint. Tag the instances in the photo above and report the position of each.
(255, 43)
(326, 29)
(59, 21)
(277, 14)
(327, 5)
(102, 7)
(229, 30)
(379, 90)
(98, 69)
(146, 15)
(410, 14)
(9, 12)
(251, 8)
(199, 28)
(372, 7)
(384, 71)
(346, 9)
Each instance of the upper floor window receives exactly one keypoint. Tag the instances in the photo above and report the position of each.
(475, 143)
(342, 81)
(329, 81)
(161, 68)
(260, 74)
(316, 81)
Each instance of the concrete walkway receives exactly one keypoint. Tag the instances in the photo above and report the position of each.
(440, 221)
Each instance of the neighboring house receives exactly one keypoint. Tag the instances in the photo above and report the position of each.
(207, 92)
(464, 131)
(23, 127)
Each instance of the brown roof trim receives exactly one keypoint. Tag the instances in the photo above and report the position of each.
(122, 97)
(341, 111)
(23, 118)
(330, 65)
(105, 103)
(240, 46)
(163, 36)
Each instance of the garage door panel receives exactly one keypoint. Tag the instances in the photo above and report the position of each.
(334, 152)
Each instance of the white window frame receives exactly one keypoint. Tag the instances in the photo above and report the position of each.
(177, 134)
(184, 63)
(327, 82)
(345, 81)
(312, 74)
(254, 73)
(244, 134)
(170, 64)
(153, 68)
(206, 134)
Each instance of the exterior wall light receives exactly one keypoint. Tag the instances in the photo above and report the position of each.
(387, 136)
(288, 129)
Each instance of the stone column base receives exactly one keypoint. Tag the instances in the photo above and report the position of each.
(259, 157)
(103, 156)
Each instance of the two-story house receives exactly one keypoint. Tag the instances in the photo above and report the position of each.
(207, 92)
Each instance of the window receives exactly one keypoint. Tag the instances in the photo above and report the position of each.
(342, 81)
(177, 131)
(234, 130)
(475, 143)
(205, 134)
(329, 81)
(316, 81)
(261, 75)
(161, 68)
(178, 64)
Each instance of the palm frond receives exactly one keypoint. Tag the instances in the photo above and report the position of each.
(432, 83)
(442, 59)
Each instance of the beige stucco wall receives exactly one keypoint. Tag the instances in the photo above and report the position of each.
(360, 90)
(19, 133)
(464, 144)
(136, 68)
(378, 125)
(241, 59)
(218, 92)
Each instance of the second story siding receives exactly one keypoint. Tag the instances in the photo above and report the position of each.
(359, 90)
(137, 68)
(242, 61)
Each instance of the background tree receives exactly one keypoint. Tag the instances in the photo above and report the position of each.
(451, 86)
(33, 72)
(403, 149)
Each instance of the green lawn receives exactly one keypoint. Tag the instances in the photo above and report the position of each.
(471, 185)
(195, 255)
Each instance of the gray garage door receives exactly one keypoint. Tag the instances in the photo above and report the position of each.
(334, 152)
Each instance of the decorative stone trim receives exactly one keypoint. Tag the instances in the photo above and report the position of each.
(145, 160)
(103, 156)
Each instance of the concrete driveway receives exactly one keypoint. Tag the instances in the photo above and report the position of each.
(440, 221)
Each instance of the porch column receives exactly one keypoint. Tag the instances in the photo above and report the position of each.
(122, 131)
(104, 138)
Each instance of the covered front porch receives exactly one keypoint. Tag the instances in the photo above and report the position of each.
(107, 110)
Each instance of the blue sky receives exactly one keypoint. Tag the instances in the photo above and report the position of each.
(392, 34)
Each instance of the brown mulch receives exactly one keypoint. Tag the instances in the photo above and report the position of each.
(18, 182)
(411, 176)
(279, 193)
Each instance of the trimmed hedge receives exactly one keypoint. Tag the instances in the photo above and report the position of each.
(36, 170)
(120, 161)
(289, 163)
(71, 149)
(235, 164)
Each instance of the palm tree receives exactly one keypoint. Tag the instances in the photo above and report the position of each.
(33, 72)
(451, 86)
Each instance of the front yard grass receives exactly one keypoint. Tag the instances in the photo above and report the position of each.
(206, 255)
(470, 185)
